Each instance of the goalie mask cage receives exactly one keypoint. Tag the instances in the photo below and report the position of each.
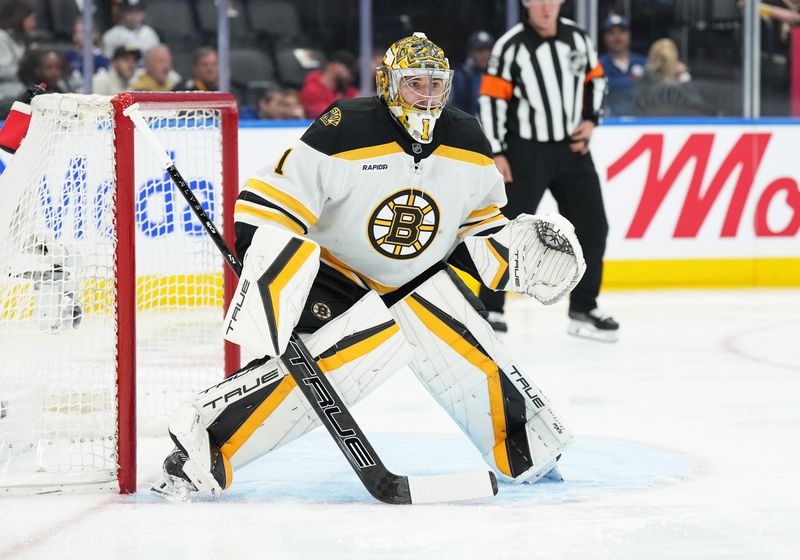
(111, 293)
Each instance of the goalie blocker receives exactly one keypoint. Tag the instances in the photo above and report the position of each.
(278, 271)
(453, 352)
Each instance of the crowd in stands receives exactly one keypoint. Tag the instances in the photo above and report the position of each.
(467, 77)
(658, 84)
(135, 49)
(168, 45)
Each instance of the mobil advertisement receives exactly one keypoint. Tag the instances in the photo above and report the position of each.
(701, 204)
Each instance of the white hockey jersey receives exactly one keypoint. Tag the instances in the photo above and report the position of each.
(383, 208)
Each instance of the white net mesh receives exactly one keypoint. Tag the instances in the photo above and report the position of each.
(58, 293)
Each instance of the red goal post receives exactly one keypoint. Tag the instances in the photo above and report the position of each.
(124, 143)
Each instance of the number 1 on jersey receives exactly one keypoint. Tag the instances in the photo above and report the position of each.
(279, 168)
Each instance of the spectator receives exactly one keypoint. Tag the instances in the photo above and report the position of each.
(788, 16)
(74, 56)
(44, 66)
(621, 66)
(205, 72)
(271, 104)
(666, 88)
(334, 81)
(17, 22)
(276, 103)
(467, 77)
(131, 29)
(118, 77)
(293, 105)
(663, 64)
(158, 74)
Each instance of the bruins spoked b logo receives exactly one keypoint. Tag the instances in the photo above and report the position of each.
(404, 224)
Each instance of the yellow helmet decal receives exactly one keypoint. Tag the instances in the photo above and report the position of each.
(416, 51)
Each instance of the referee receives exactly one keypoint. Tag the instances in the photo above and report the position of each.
(540, 100)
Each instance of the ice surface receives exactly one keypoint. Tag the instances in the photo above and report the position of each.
(688, 445)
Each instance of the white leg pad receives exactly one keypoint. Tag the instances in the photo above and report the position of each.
(257, 410)
(466, 369)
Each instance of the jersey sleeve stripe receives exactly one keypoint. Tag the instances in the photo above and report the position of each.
(244, 212)
(475, 220)
(370, 152)
(475, 228)
(461, 154)
(250, 196)
(285, 199)
(488, 211)
(496, 87)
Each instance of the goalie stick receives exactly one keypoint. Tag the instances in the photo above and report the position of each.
(384, 485)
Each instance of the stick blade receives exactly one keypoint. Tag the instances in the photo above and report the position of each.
(452, 487)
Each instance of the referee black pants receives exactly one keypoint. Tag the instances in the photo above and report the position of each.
(573, 182)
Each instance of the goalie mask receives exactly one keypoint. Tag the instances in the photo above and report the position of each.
(414, 82)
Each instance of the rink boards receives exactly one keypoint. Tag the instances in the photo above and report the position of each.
(689, 202)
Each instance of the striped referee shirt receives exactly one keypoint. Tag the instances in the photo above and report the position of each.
(540, 88)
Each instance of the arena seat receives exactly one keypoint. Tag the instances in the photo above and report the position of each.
(276, 20)
(174, 22)
(240, 33)
(293, 64)
(251, 69)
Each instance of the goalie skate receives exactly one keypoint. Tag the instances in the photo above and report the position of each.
(175, 483)
(196, 464)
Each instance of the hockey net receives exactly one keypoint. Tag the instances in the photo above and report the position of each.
(110, 291)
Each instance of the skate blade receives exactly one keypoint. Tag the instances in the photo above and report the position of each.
(582, 330)
(553, 475)
(174, 490)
